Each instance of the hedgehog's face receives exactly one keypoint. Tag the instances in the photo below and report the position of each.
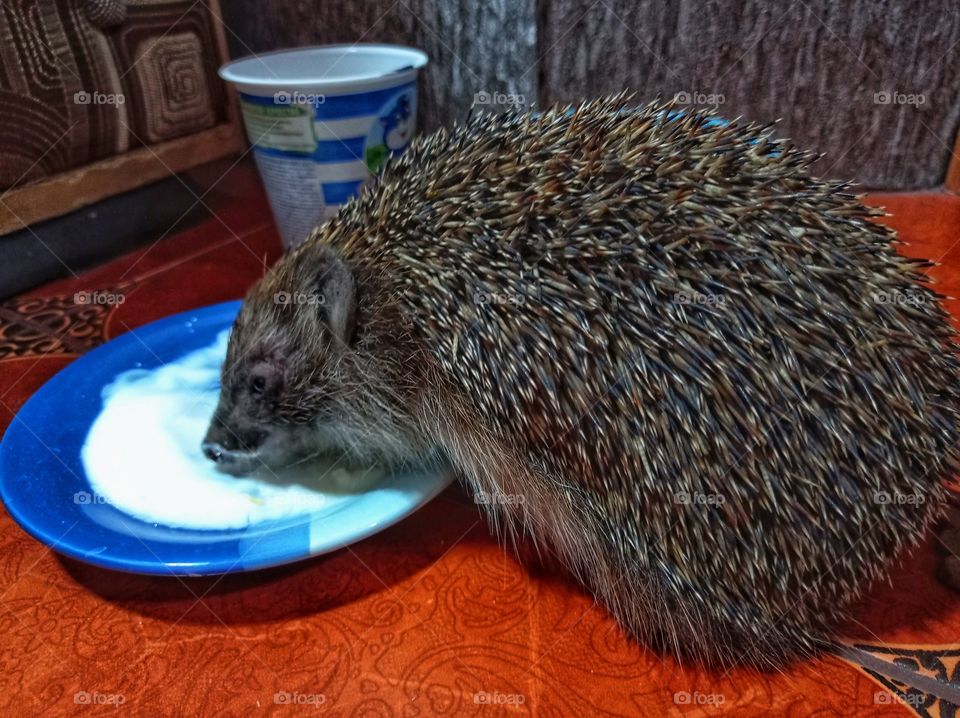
(287, 372)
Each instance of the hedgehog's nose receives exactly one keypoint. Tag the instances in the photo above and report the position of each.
(213, 451)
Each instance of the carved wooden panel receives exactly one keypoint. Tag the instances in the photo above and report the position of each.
(873, 85)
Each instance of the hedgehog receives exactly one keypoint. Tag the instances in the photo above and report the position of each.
(654, 345)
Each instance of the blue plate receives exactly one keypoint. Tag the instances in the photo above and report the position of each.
(43, 485)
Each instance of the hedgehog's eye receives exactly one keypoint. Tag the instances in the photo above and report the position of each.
(258, 384)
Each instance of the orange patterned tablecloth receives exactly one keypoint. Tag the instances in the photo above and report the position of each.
(428, 618)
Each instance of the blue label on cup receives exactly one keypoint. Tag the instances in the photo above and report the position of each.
(315, 152)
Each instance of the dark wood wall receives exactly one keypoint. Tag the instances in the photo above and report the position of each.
(475, 46)
(873, 84)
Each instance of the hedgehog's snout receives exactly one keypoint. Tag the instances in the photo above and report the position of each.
(213, 451)
(225, 444)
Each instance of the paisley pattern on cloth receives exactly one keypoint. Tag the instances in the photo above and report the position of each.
(428, 618)
(42, 326)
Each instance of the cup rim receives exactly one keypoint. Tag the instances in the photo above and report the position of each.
(232, 71)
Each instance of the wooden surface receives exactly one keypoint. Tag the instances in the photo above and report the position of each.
(817, 64)
(475, 46)
(77, 188)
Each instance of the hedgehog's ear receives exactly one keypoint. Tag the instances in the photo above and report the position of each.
(336, 286)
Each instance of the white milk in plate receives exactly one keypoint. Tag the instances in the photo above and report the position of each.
(142, 455)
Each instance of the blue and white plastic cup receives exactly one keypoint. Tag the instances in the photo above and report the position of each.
(322, 121)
